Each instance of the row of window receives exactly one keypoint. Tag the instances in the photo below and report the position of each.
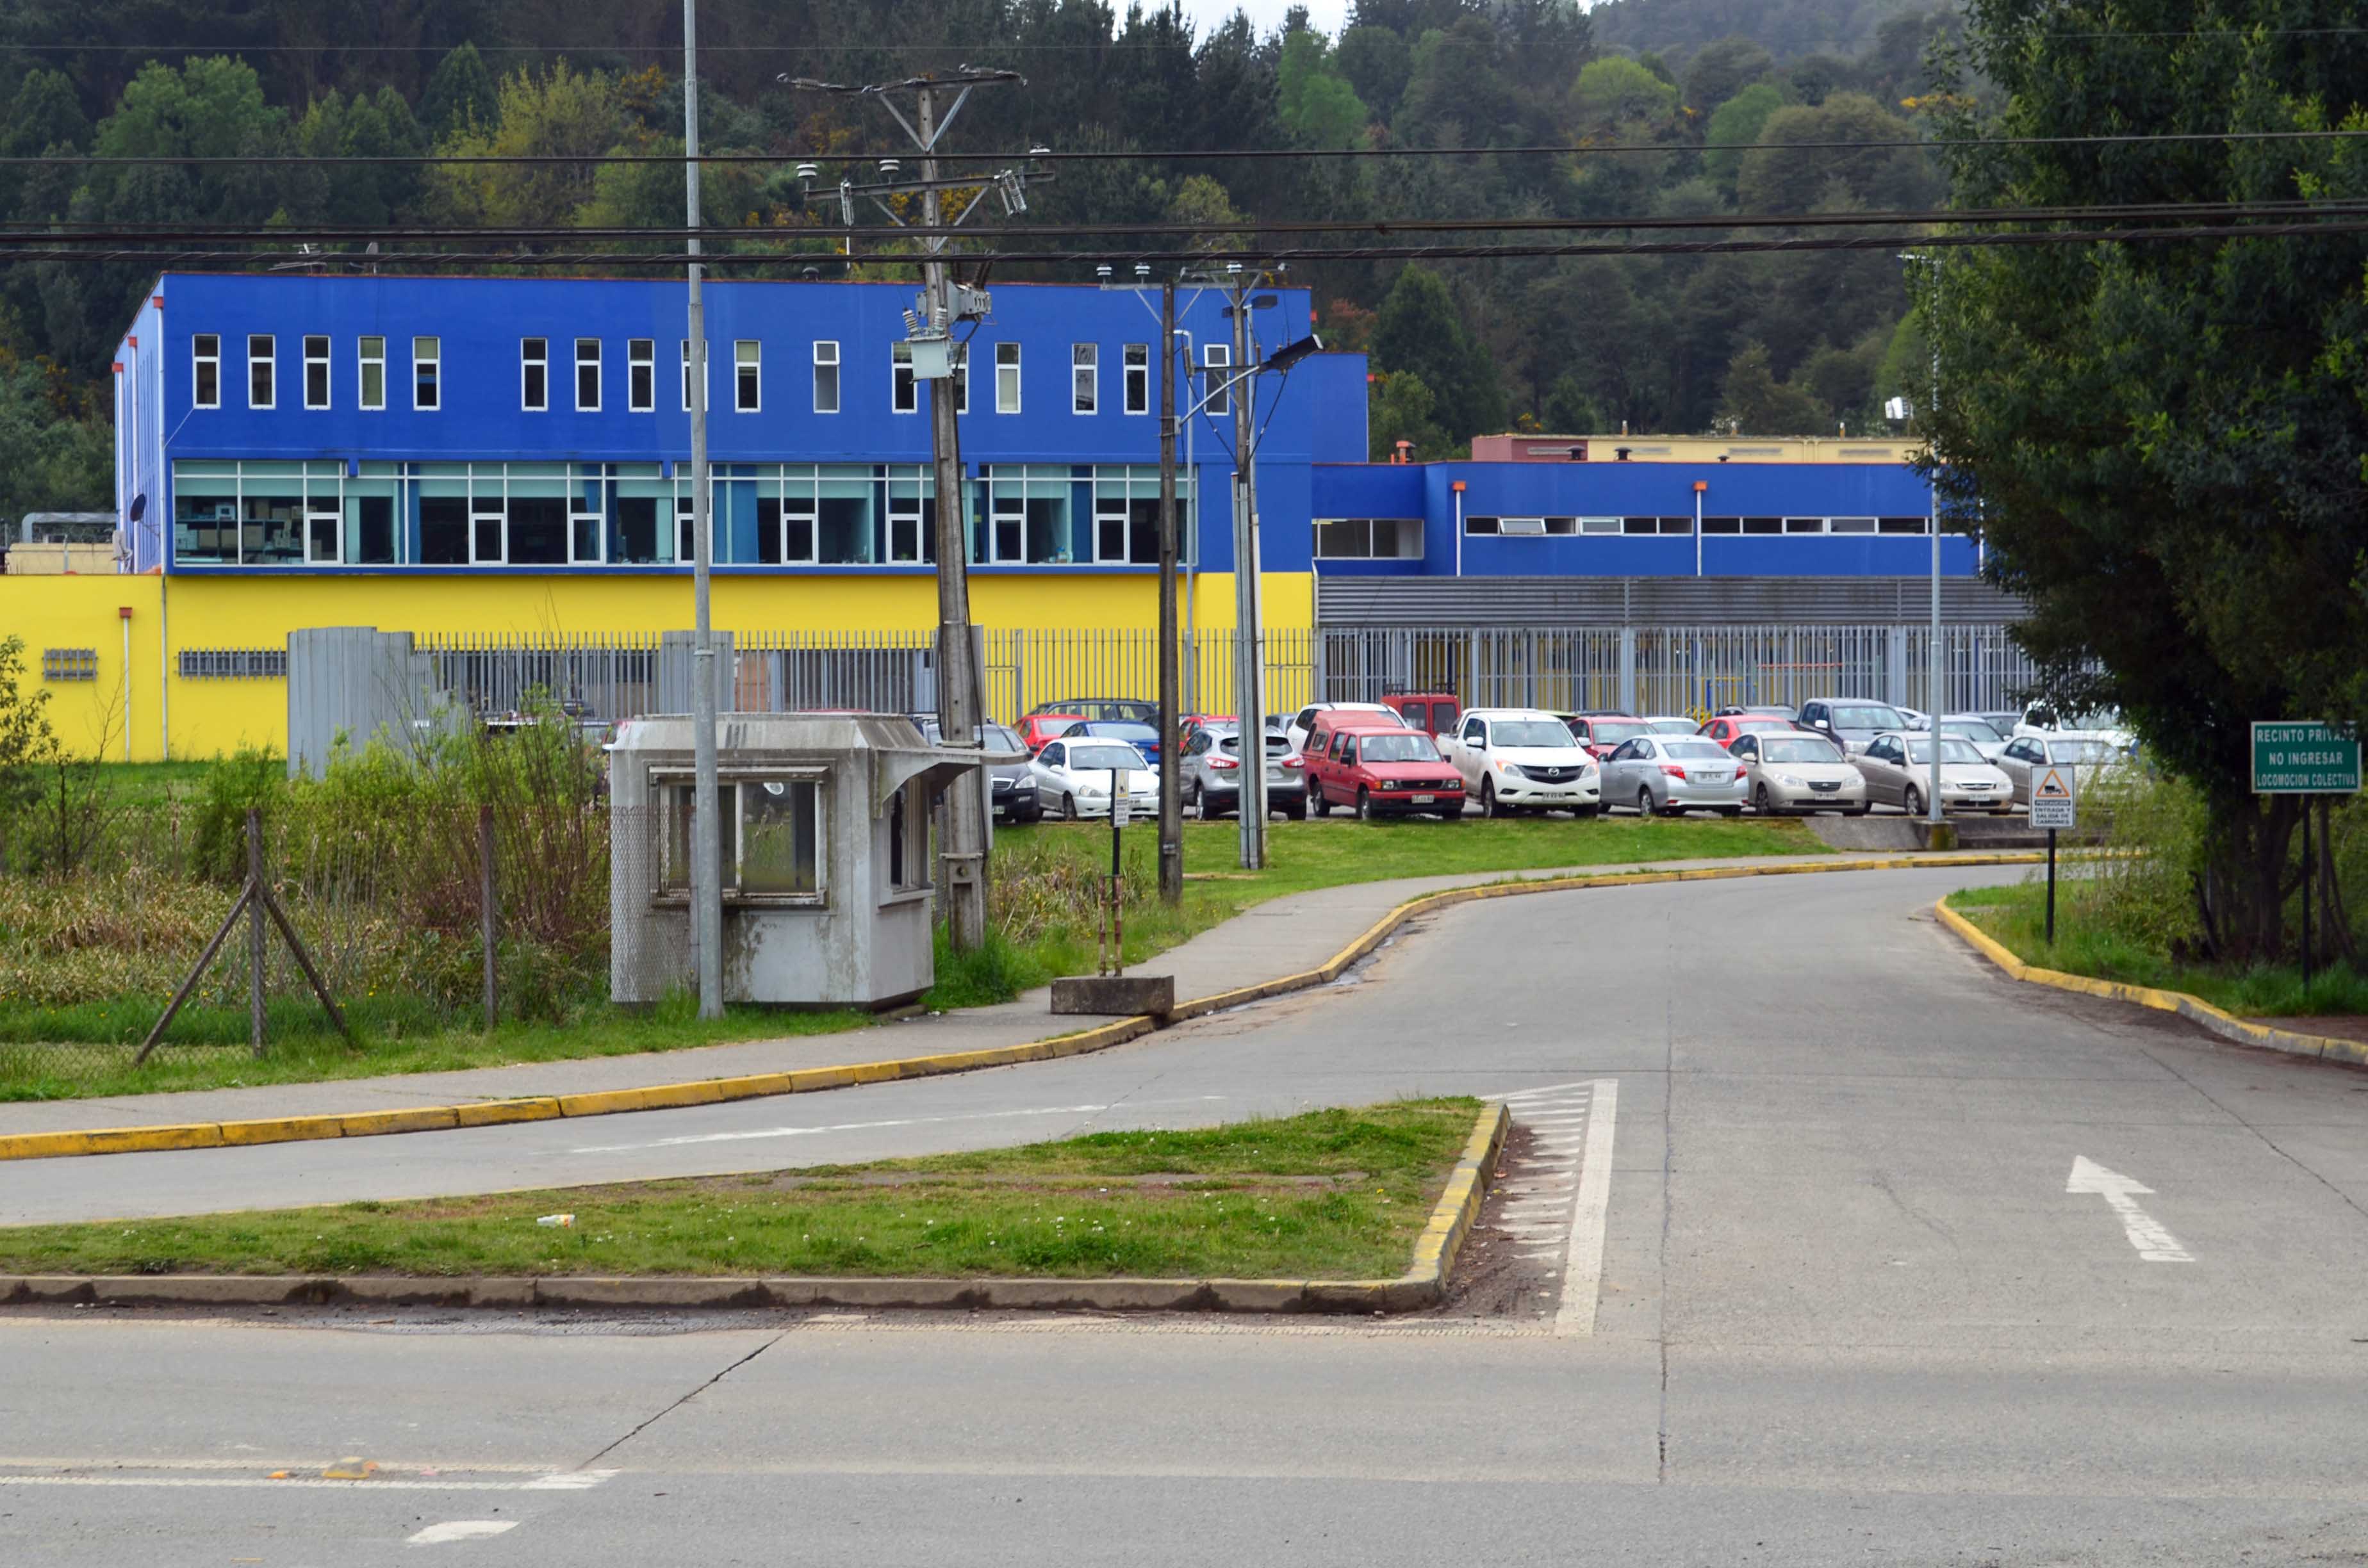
(590, 365)
(1537, 527)
(424, 513)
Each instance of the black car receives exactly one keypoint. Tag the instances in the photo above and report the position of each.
(1012, 787)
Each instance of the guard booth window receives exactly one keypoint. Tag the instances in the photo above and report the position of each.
(772, 849)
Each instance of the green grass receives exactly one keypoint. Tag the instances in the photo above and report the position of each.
(149, 781)
(1045, 877)
(1334, 1194)
(2017, 916)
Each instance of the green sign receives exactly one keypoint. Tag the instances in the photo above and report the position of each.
(2304, 759)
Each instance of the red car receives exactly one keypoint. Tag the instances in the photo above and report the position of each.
(1433, 712)
(1038, 728)
(1602, 734)
(1382, 770)
(1729, 728)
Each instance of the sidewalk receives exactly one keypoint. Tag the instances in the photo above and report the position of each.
(1283, 937)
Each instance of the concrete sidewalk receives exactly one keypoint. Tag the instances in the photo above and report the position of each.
(1282, 936)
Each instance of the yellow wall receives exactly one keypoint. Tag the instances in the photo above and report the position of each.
(213, 716)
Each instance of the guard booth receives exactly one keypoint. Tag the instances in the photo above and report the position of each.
(825, 857)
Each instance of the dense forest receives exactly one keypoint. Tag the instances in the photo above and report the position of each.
(1786, 343)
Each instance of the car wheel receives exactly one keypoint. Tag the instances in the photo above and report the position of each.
(1644, 799)
(1761, 804)
(1297, 813)
(1317, 801)
(1364, 804)
(1489, 806)
(1069, 807)
(1912, 803)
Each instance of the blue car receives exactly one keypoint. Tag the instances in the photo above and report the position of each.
(1143, 738)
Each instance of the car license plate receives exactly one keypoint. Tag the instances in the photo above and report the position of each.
(1274, 775)
(1425, 799)
(1706, 777)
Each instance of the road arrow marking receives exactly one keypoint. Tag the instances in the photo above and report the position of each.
(2155, 1244)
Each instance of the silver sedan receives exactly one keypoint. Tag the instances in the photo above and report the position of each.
(1790, 771)
(1899, 769)
(1654, 774)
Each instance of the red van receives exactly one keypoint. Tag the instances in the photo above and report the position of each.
(1380, 770)
(1433, 712)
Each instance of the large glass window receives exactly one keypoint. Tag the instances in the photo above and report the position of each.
(260, 363)
(1369, 539)
(825, 376)
(205, 370)
(534, 374)
(1138, 378)
(1085, 375)
(843, 521)
(427, 373)
(316, 373)
(904, 392)
(641, 374)
(1006, 377)
(588, 375)
(371, 356)
(774, 843)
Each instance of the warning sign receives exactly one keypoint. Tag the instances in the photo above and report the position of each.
(2055, 794)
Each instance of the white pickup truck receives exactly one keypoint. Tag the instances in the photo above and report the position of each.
(1520, 760)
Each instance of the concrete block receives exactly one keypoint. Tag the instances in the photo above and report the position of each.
(1115, 995)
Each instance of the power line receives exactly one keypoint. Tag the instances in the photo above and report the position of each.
(87, 159)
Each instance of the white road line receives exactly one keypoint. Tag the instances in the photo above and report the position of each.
(1582, 1274)
(462, 1530)
(1541, 1091)
(2153, 1239)
(874, 1126)
(560, 1481)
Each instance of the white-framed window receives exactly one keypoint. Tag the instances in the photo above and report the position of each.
(686, 375)
(1369, 539)
(641, 374)
(205, 370)
(316, 370)
(1084, 377)
(588, 375)
(262, 363)
(371, 354)
(534, 374)
(1216, 364)
(1137, 391)
(427, 373)
(773, 843)
(904, 392)
(747, 364)
(1006, 377)
(825, 376)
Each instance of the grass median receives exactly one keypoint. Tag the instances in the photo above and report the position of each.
(1046, 877)
(1332, 1194)
(2017, 917)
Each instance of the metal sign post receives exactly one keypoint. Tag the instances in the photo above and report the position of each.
(2055, 803)
(2307, 759)
(1114, 949)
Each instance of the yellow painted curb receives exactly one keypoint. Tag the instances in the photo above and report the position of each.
(2225, 1024)
(707, 1091)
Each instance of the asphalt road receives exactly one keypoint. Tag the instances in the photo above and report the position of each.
(1848, 1312)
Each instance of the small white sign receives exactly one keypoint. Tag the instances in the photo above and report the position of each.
(2054, 796)
(1119, 783)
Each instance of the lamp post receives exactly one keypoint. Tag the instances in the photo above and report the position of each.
(1934, 682)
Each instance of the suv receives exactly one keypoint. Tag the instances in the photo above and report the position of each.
(1522, 759)
(1209, 771)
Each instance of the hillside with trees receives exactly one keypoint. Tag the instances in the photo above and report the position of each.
(1791, 343)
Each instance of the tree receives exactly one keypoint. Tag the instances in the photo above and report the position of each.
(461, 96)
(1377, 62)
(2161, 443)
(1778, 178)
(1737, 123)
(1754, 403)
(1719, 71)
(1400, 409)
(1420, 330)
(1614, 91)
(1313, 100)
(563, 111)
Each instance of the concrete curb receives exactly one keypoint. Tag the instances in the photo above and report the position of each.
(163, 1137)
(1424, 1284)
(2226, 1025)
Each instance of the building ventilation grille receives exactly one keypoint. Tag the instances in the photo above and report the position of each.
(233, 663)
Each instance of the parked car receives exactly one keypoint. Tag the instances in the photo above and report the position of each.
(1432, 712)
(2102, 724)
(1674, 774)
(1329, 719)
(1011, 785)
(1035, 729)
(1774, 710)
(1791, 770)
(1375, 771)
(1916, 716)
(1074, 776)
(1673, 724)
(2003, 723)
(2086, 753)
(1899, 769)
(1727, 728)
(1602, 733)
(1143, 738)
(1523, 759)
(1975, 731)
(1304, 723)
(1849, 722)
(1117, 710)
(1208, 770)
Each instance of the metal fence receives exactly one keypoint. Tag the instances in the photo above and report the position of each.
(1673, 669)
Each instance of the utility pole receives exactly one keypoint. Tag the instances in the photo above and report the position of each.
(1171, 803)
(962, 858)
(1249, 643)
(706, 859)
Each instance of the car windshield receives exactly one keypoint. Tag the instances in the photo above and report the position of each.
(1974, 729)
(1674, 726)
(1102, 759)
(1530, 732)
(1412, 746)
(1612, 734)
(1855, 716)
(1140, 734)
(1807, 748)
(994, 737)
(1951, 750)
(1697, 751)
(2093, 752)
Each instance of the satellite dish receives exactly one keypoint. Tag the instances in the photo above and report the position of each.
(139, 507)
